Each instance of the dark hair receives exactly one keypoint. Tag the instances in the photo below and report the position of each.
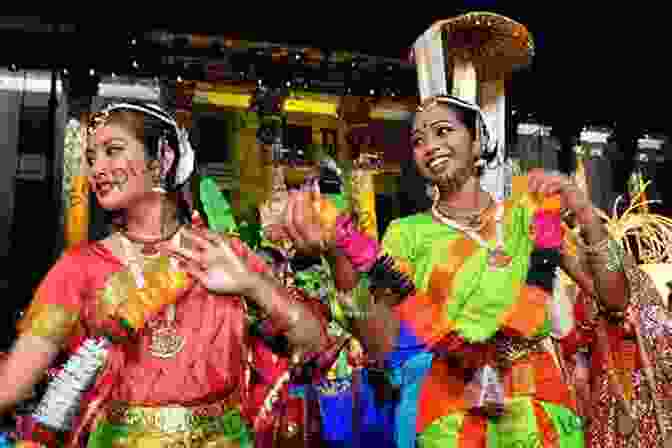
(413, 187)
(468, 117)
(149, 130)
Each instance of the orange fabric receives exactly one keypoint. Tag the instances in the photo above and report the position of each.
(136, 304)
(474, 432)
(440, 285)
(443, 390)
(528, 313)
(425, 312)
(547, 380)
(442, 393)
(549, 436)
(423, 315)
(405, 267)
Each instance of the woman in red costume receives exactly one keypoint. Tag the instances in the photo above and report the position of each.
(168, 294)
(621, 362)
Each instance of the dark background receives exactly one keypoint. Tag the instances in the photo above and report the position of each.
(593, 66)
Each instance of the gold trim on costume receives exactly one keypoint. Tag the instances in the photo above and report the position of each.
(510, 349)
(48, 320)
(121, 296)
(168, 419)
(175, 440)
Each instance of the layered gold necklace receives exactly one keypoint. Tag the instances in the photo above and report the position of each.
(166, 342)
(468, 218)
(497, 257)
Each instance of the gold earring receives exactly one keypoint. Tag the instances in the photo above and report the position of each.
(157, 179)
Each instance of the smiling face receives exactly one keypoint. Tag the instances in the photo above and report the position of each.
(444, 148)
(120, 172)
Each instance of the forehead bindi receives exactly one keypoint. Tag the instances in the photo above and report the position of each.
(437, 115)
(430, 122)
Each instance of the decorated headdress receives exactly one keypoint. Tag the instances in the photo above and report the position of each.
(464, 61)
(186, 161)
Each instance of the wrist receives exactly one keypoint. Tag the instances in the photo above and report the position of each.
(253, 286)
(586, 216)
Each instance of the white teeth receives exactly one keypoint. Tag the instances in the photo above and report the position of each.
(438, 161)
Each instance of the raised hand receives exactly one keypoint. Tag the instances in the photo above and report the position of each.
(303, 223)
(211, 260)
(571, 197)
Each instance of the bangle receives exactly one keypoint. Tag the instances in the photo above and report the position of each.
(385, 275)
(593, 249)
(612, 249)
(610, 315)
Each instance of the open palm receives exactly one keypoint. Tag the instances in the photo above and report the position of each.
(210, 259)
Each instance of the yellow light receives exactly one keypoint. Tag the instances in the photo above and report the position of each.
(225, 99)
(242, 101)
(311, 107)
(390, 114)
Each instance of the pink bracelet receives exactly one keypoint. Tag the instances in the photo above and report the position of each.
(548, 233)
(360, 249)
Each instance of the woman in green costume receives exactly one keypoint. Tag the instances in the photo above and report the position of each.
(459, 303)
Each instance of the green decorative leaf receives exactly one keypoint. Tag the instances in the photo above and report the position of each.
(251, 234)
(216, 207)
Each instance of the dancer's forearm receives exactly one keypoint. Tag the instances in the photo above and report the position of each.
(605, 261)
(573, 269)
(345, 275)
(377, 329)
(289, 316)
(24, 368)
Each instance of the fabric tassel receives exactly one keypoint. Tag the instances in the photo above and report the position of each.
(562, 318)
(60, 404)
(485, 392)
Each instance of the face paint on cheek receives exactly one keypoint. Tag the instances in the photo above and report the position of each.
(455, 181)
(119, 178)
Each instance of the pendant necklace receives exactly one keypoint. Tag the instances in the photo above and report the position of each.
(165, 341)
(497, 258)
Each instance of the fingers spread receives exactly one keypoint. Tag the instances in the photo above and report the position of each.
(197, 239)
(183, 254)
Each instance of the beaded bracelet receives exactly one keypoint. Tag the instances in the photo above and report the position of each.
(385, 275)
(614, 252)
(610, 315)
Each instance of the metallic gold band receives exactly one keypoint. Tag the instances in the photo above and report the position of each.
(168, 419)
